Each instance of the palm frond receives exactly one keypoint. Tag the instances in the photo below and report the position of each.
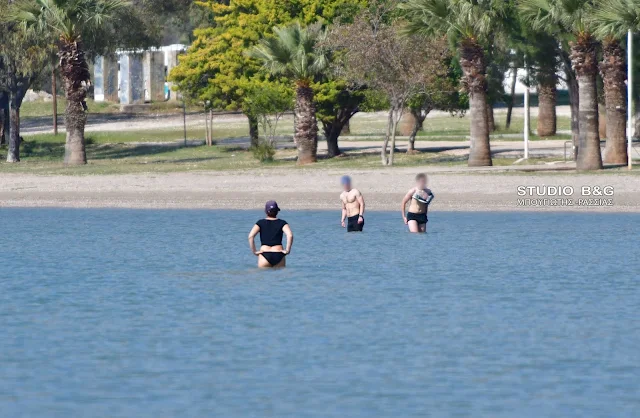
(67, 19)
(292, 52)
(470, 19)
(613, 18)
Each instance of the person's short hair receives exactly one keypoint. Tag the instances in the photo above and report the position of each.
(421, 176)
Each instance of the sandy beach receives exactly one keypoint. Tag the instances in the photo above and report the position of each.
(298, 188)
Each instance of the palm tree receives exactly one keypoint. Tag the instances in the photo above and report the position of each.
(570, 17)
(545, 56)
(70, 22)
(293, 53)
(611, 20)
(470, 24)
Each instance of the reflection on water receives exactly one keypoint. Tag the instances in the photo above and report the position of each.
(121, 313)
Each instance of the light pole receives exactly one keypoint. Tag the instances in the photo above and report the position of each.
(526, 111)
(629, 97)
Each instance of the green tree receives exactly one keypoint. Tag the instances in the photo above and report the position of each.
(216, 69)
(571, 17)
(440, 94)
(23, 55)
(470, 25)
(374, 52)
(71, 23)
(544, 55)
(267, 102)
(611, 21)
(294, 53)
(336, 102)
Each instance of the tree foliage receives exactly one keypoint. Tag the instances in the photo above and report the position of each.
(216, 68)
(373, 52)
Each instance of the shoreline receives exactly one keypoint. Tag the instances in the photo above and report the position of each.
(299, 189)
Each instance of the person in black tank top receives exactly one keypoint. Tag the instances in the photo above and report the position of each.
(271, 230)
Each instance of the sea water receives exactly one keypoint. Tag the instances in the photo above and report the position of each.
(140, 313)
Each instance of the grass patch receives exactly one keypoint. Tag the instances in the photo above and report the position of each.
(45, 157)
(41, 108)
(160, 135)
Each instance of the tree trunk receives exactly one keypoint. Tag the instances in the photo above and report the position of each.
(614, 76)
(254, 131)
(306, 126)
(77, 79)
(636, 128)
(387, 137)
(333, 128)
(491, 121)
(333, 150)
(407, 123)
(397, 115)
(346, 128)
(4, 118)
(418, 122)
(574, 102)
(13, 153)
(475, 82)
(512, 96)
(547, 108)
(584, 60)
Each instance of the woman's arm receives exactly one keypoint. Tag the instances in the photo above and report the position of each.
(287, 231)
(252, 236)
(405, 200)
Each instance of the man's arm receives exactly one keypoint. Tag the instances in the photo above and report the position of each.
(360, 199)
(344, 212)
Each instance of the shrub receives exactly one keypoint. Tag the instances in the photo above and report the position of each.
(264, 151)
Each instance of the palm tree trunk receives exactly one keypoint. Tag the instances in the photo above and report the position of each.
(614, 76)
(13, 153)
(254, 130)
(585, 64)
(306, 126)
(547, 107)
(475, 82)
(574, 101)
(77, 79)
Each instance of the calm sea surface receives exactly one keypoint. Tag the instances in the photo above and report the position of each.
(124, 313)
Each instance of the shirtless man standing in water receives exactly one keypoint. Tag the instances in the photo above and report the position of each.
(420, 198)
(352, 206)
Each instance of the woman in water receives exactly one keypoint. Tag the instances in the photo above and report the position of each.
(271, 229)
(420, 198)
